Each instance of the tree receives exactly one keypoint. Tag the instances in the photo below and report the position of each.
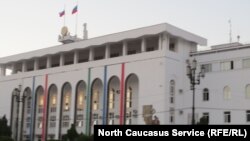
(72, 133)
(83, 137)
(203, 121)
(5, 131)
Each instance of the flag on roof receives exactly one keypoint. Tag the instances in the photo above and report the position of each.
(62, 13)
(74, 10)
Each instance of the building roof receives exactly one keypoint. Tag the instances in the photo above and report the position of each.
(222, 48)
(110, 38)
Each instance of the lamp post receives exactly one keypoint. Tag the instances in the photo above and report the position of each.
(194, 80)
(19, 99)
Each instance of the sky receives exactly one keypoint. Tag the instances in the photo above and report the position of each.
(28, 25)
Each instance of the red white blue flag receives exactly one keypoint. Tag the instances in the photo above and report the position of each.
(74, 10)
(62, 13)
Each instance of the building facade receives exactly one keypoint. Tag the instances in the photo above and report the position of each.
(122, 78)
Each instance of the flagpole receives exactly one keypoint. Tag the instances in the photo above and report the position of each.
(64, 19)
(76, 19)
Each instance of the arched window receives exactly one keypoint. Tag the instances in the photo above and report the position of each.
(52, 108)
(40, 105)
(248, 91)
(227, 93)
(66, 97)
(80, 96)
(131, 99)
(96, 103)
(52, 98)
(112, 100)
(80, 103)
(205, 94)
(66, 106)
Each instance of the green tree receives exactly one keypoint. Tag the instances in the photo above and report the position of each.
(203, 121)
(72, 133)
(5, 131)
(83, 137)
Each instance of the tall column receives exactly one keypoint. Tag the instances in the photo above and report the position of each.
(124, 48)
(76, 57)
(3, 68)
(61, 59)
(36, 64)
(12, 68)
(91, 54)
(24, 66)
(48, 64)
(165, 41)
(160, 42)
(143, 45)
(107, 51)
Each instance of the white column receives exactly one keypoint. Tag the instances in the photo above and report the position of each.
(48, 64)
(76, 57)
(24, 66)
(165, 42)
(61, 59)
(13, 69)
(107, 51)
(3, 68)
(160, 42)
(143, 45)
(36, 64)
(124, 48)
(91, 54)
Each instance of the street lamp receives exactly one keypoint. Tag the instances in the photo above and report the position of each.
(19, 99)
(194, 80)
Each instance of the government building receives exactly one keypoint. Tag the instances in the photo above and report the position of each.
(130, 77)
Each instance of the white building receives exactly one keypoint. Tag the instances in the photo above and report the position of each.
(122, 78)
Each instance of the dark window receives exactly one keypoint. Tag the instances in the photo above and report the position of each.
(232, 65)
(114, 55)
(227, 117)
(248, 115)
(205, 94)
(131, 52)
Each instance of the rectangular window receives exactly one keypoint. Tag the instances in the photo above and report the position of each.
(206, 117)
(111, 121)
(207, 67)
(246, 63)
(172, 44)
(227, 117)
(79, 117)
(248, 115)
(171, 99)
(95, 116)
(228, 65)
(205, 95)
(40, 125)
(65, 118)
(79, 123)
(40, 110)
(52, 124)
(95, 122)
(53, 109)
(52, 118)
(128, 121)
(65, 124)
(28, 125)
(171, 119)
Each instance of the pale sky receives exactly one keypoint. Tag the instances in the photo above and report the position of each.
(28, 25)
